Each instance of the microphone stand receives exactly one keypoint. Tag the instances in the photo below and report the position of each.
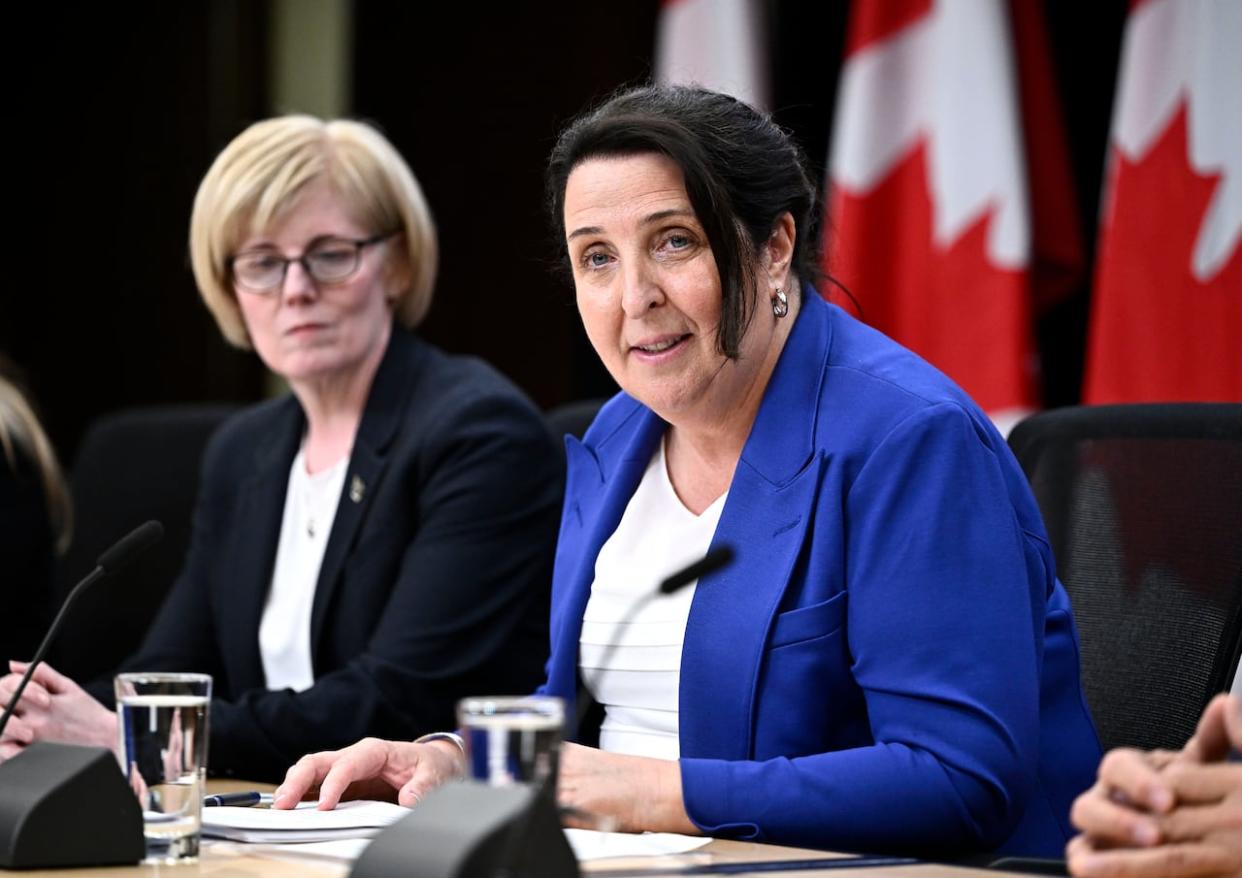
(48, 787)
(468, 829)
(94, 576)
(518, 842)
(113, 559)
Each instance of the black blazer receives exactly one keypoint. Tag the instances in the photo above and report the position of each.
(435, 579)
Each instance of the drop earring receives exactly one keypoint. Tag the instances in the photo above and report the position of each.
(780, 303)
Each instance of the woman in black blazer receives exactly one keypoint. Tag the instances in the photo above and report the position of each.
(372, 546)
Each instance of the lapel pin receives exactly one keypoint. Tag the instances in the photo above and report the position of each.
(357, 488)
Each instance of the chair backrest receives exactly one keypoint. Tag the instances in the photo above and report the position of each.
(132, 466)
(1143, 505)
(572, 418)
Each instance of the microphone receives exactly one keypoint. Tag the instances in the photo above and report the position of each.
(110, 561)
(719, 557)
(501, 832)
(127, 548)
(716, 559)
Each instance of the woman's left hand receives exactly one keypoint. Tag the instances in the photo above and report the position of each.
(635, 793)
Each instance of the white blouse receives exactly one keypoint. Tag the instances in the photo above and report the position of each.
(638, 689)
(284, 632)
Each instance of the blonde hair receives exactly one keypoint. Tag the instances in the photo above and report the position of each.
(262, 171)
(20, 430)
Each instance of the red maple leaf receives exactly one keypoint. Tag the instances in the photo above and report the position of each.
(1157, 332)
(968, 317)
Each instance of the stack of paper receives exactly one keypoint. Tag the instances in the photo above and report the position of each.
(305, 823)
(591, 845)
(343, 834)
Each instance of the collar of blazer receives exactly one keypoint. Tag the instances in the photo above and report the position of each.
(266, 486)
(765, 519)
(382, 414)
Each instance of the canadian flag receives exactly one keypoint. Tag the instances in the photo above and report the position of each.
(718, 44)
(1166, 321)
(929, 214)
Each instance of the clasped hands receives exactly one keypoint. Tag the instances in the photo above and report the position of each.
(53, 708)
(633, 793)
(1164, 814)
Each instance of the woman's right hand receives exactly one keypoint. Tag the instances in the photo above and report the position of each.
(371, 769)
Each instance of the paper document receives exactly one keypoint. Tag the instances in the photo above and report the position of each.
(586, 844)
(591, 845)
(342, 834)
(343, 852)
(359, 819)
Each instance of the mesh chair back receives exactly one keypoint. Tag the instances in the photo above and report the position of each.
(1143, 505)
(132, 466)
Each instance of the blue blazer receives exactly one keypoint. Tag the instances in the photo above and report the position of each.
(890, 662)
(434, 583)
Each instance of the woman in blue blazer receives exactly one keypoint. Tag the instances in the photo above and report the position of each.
(372, 546)
(890, 663)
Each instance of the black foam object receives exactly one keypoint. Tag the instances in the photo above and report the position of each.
(63, 805)
(465, 830)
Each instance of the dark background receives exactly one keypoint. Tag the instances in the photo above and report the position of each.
(117, 110)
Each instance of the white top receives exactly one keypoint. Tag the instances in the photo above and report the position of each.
(657, 536)
(284, 632)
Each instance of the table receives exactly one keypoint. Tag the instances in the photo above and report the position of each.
(228, 860)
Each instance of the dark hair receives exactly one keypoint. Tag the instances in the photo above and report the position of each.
(742, 171)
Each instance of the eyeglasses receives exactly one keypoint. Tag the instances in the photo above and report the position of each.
(327, 261)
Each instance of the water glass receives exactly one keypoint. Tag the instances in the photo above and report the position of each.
(513, 739)
(162, 724)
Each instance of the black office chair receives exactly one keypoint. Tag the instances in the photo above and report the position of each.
(1143, 505)
(132, 466)
(572, 418)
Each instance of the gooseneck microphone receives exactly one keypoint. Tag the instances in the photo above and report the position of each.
(112, 560)
(126, 549)
(470, 829)
(519, 838)
(717, 558)
(714, 560)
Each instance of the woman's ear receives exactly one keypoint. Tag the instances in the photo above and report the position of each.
(778, 252)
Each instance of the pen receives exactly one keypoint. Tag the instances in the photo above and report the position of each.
(239, 800)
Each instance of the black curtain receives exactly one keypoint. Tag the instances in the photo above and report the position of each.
(121, 107)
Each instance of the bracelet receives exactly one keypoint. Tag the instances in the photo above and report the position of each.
(443, 736)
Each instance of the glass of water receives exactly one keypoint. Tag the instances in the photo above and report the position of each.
(162, 724)
(513, 739)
